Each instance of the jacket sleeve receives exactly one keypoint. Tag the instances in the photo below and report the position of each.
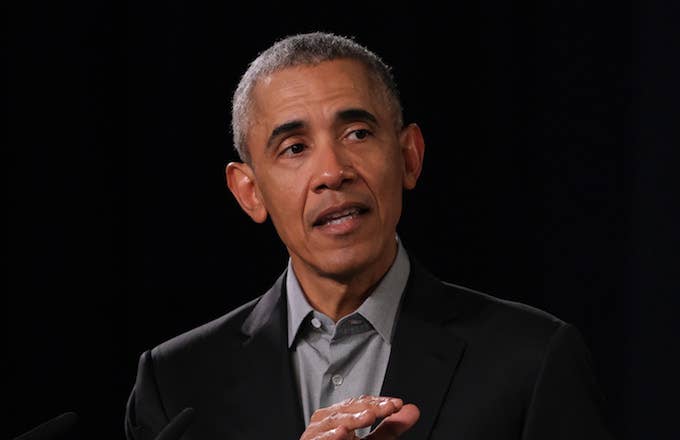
(144, 415)
(566, 401)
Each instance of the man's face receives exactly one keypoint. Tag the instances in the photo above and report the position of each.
(328, 165)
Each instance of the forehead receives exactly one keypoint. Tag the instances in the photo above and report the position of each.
(302, 92)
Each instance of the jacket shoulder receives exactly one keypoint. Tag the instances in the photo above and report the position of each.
(484, 317)
(502, 308)
(226, 328)
(473, 311)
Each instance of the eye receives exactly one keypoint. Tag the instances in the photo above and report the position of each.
(359, 135)
(293, 150)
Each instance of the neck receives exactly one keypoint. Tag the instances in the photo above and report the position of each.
(340, 295)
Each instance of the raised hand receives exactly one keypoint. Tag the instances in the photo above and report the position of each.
(338, 422)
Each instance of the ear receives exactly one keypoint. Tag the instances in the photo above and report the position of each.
(413, 152)
(241, 182)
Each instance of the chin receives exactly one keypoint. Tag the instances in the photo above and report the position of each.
(342, 264)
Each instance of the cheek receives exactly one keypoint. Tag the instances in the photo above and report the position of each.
(284, 200)
(393, 186)
(384, 178)
(389, 168)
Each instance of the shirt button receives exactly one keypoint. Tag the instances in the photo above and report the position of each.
(316, 323)
(337, 380)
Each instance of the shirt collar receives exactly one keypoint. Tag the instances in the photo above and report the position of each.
(298, 306)
(379, 309)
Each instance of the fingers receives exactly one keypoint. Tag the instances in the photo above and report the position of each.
(396, 424)
(380, 406)
(351, 421)
(338, 422)
(339, 433)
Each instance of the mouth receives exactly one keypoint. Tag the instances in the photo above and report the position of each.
(339, 215)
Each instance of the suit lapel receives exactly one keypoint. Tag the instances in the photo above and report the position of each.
(422, 363)
(270, 405)
(424, 354)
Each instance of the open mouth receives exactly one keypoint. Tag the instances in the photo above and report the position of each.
(339, 215)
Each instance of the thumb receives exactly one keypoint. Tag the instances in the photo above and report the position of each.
(396, 424)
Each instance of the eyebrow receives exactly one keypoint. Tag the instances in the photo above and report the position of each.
(348, 115)
(356, 114)
(286, 127)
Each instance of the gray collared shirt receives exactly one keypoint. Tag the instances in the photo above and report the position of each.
(335, 361)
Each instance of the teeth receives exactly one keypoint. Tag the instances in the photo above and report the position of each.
(336, 221)
(339, 217)
(344, 213)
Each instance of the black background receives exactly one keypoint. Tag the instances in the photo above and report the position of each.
(548, 179)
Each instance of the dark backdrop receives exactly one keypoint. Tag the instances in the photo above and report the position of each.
(547, 179)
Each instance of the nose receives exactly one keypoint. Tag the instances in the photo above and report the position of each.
(332, 169)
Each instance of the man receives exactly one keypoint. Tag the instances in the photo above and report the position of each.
(355, 338)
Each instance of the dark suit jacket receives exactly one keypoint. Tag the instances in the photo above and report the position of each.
(476, 366)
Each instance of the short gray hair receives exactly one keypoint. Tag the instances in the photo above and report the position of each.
(305, 49)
